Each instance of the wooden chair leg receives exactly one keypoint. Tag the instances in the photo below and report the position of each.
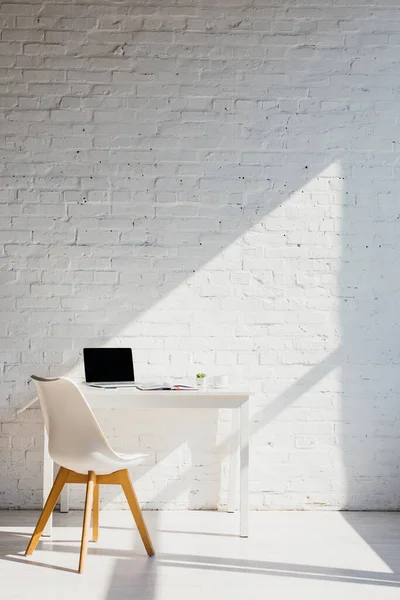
(51, 501)
(96, 509)
(136, 512)
(91, 482)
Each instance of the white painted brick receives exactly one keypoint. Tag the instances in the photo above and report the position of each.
(216, 188)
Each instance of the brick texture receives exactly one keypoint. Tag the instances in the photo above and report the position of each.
(214, 184)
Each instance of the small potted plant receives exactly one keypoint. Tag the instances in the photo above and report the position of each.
(201, 380)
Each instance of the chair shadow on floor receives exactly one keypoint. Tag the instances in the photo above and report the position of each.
(13, 543)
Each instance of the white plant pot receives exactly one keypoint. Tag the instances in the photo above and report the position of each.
(201, 383)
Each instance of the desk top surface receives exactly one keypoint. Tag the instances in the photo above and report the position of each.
(210, 398)
(116, 398)
(126, 390)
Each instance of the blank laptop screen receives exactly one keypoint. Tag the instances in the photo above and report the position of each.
(108, 364)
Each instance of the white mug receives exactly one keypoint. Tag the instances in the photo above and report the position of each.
(221, 381)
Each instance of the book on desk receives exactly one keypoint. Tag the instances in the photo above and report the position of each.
(167, 386)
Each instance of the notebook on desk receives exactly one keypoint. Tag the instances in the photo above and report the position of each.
(109, 367)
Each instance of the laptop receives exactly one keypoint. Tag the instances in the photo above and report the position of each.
(109, 367)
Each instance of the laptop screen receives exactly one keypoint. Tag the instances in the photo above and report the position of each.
(108, 364)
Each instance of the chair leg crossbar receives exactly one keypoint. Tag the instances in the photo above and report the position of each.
(92, 503)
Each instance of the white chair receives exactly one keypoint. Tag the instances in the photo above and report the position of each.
(78, 445)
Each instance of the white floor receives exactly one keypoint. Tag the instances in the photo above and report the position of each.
(289, 555)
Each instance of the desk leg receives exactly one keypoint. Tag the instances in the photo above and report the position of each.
(47, 480)
(244, 470)
(233, 461)
(64, 499)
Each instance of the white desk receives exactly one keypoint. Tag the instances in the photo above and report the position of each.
(123, 398)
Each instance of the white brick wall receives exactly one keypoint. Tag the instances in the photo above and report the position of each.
(215, 185)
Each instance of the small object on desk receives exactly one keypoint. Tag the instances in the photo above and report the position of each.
(201, 381)
(221, 381)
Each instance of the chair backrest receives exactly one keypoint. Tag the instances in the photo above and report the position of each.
(73, 430)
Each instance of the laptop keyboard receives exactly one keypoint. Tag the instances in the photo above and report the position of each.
(113, 383)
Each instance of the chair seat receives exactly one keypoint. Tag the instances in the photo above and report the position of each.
(99, 462)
